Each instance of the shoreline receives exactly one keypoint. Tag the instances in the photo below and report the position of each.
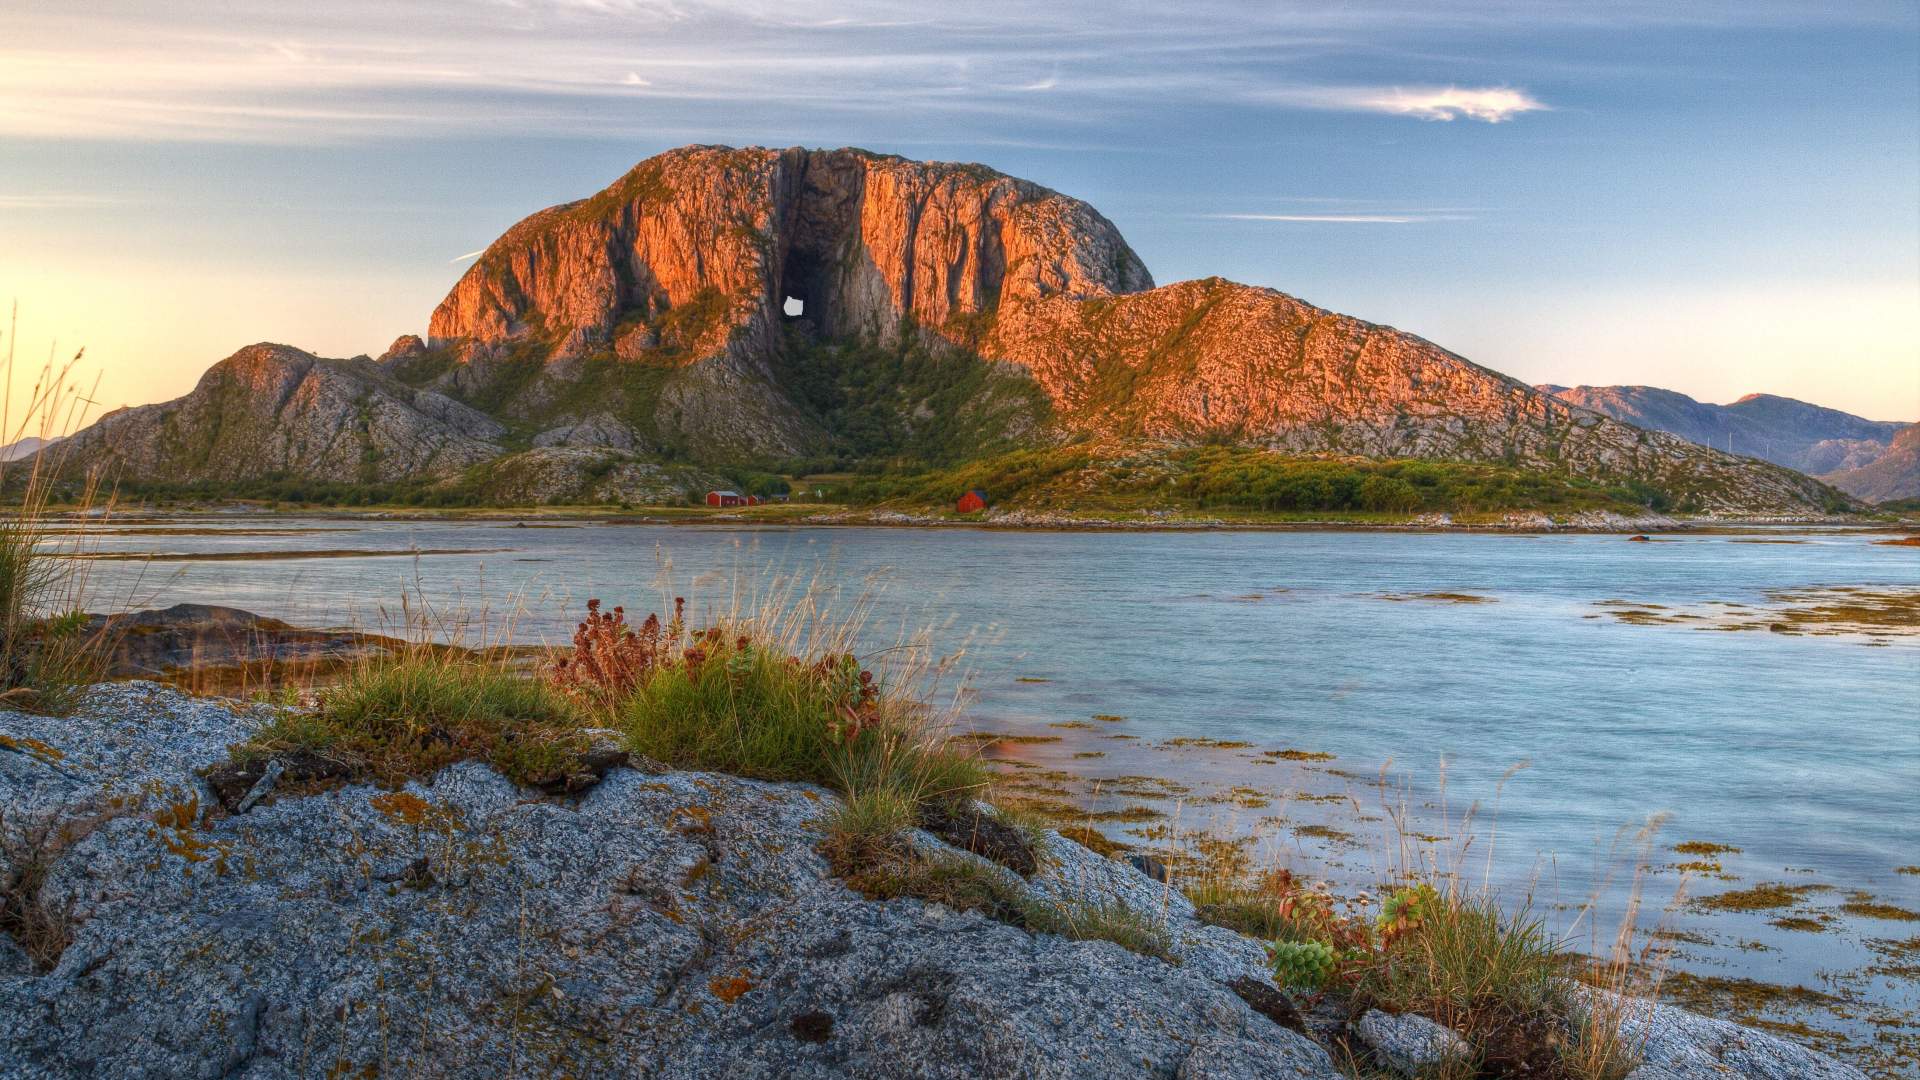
(1513, 523)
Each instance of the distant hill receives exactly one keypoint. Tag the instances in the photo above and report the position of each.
(1786, 432)
(1895, 474)
(24, 448)
(946, 313)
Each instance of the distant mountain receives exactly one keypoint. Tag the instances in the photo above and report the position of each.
(24, 448)
(1895, 474)
(945, 312)
(1786, 432)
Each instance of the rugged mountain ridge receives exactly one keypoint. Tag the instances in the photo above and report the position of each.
(1782, 430)
(1894, 474)
(651, 320)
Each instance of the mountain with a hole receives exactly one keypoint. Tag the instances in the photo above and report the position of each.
(717, 312)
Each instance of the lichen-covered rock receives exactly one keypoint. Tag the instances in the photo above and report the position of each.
(1408, 1042)
(1674, 1044)
(663, 925)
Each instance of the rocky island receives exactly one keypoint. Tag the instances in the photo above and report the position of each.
(717, 312)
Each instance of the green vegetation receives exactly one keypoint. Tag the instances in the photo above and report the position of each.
(409, 716)
(1218, 479)
(49, 653)
(910, 404)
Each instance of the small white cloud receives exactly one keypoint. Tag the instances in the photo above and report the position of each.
(1047, 83)
(633, 79)
(468, 255)
(1491, 104)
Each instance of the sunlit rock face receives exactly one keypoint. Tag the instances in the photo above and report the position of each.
(670, 316)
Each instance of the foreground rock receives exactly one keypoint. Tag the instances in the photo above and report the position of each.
(213, 640)
(671, 925)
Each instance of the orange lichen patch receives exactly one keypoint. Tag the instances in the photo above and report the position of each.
(695, 873)
(33, 748)
(698, 819)
(175, 828)
(403, 806)
(1703, 847)
(1297, 755)
(729, 990)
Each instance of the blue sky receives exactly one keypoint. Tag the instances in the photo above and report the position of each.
(1720, 199)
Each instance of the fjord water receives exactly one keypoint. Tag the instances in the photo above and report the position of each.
(1803, 751)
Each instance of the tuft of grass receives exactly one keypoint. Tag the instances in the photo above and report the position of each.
(48, 652)
(411, 715)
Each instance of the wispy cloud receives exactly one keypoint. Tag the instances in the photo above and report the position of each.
(1343, 219)
(52, 201)
(1492, 104)
(289, 70)
(467, 256)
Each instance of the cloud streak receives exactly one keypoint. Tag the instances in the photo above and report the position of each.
(1341, 219)
(362, 69)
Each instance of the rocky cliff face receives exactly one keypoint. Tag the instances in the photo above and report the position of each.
(271, 410)
(652, 319)
(1786, 432)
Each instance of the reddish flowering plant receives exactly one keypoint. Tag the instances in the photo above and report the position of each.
(610, 657)
(853, 695)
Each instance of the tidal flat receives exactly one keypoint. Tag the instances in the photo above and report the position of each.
(1250, 696)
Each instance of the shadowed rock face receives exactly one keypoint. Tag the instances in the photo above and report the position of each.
(1777, 429)
(648, 319)
(272, 409)
(1892, 474)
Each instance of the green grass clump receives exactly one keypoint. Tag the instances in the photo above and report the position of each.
(412, 715)
(48, 652)
(1467, 957)
(741, 706)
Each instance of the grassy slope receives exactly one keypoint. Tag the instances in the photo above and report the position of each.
(1231, 482)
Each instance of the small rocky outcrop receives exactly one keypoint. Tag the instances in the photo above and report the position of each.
(659, 924)
(209, 638)
(273, 410)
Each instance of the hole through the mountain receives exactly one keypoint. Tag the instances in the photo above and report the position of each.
(794, 307)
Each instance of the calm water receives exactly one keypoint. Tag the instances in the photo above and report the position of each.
(1803, 751)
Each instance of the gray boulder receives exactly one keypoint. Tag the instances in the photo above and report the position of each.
(1410, 1043)
(672, 925)
(1674, 1044)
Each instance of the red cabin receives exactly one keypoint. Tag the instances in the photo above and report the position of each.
(726, 498)
(972, 502)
